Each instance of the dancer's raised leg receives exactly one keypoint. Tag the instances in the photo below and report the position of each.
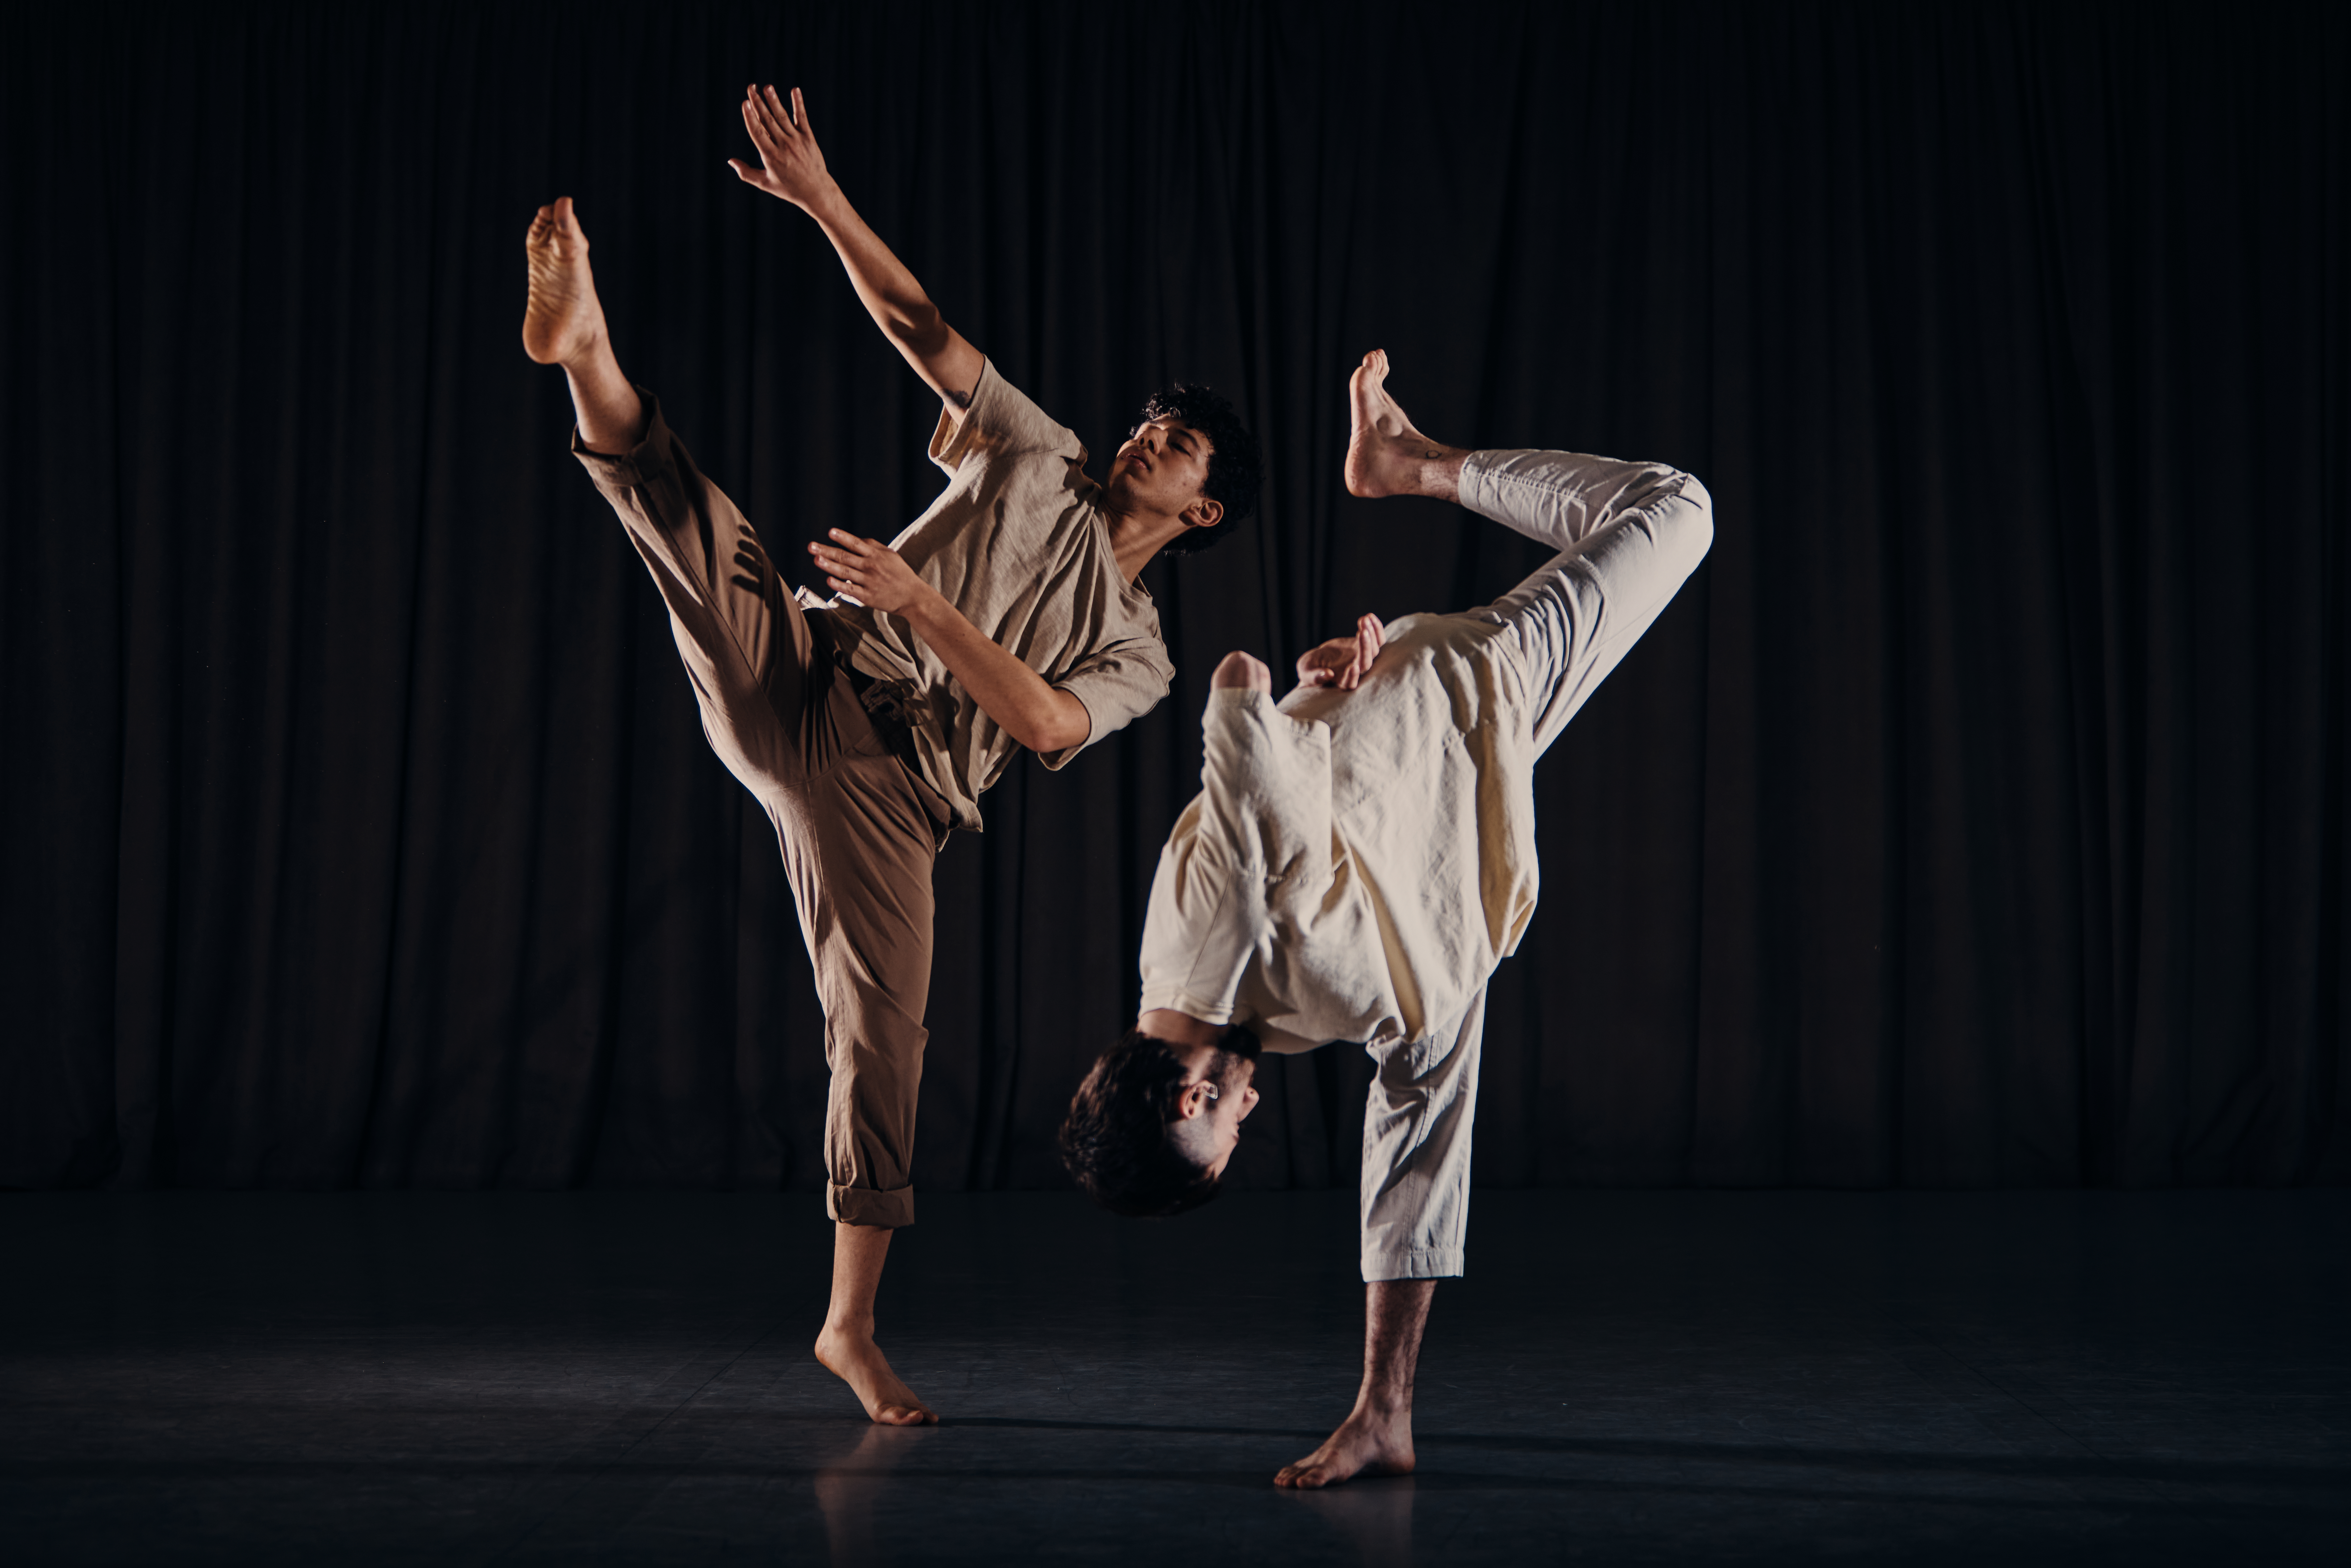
(1385, 456)
(563, 324)
(1376, 1436)
(846, 1346)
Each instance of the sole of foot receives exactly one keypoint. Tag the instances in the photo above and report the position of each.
(859, 1364)
(563, 317)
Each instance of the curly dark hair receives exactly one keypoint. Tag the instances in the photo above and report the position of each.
(1115, 1139)
(1236, 465)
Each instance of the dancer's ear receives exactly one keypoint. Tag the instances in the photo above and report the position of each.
(1204, 513)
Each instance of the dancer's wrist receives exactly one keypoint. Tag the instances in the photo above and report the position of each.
(825, 204)
(926, 609)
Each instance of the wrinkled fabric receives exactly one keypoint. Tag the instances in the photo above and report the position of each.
(1019, 543)
(858, 831)
(1418, 1114)
(1357, 863)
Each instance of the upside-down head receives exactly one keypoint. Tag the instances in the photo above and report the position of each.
(1153, 1124)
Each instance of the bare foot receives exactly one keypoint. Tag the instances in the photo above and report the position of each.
(1385, 456)
(564, 320)
(857, 1361)
(1366, 1444)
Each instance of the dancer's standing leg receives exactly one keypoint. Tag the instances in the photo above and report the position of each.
(1386, 456)
(855, 832)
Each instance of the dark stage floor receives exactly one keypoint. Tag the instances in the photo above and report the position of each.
(1625, 1377)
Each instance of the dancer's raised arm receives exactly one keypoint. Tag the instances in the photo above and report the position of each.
(792, 167)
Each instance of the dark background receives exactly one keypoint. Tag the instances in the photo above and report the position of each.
(1976, 817)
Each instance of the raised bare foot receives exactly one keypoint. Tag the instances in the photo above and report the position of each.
(564, 319)
(1385, 456)
(857, 1361)
(1366, 1444)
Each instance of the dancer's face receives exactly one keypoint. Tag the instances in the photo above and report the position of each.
(1161, 468)
(1217, 1133)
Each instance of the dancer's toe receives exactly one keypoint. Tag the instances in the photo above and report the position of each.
(1366, 1444)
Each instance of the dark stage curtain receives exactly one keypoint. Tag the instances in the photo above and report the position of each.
(1975, 816)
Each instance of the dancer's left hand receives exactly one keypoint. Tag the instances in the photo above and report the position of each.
(869, 572)
(1343, 662)
(790, 166)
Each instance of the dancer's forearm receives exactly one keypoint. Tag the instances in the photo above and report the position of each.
(896, 300)
(791, 166)
(1040, 716)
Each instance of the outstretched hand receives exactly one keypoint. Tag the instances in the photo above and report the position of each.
(1342, 662)
(869, 572)
(790, 164)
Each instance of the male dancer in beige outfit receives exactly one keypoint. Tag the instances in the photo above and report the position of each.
(1361, 857)
(1006, 616)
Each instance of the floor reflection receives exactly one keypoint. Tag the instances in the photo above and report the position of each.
(1374, 1517)
(848, 1487)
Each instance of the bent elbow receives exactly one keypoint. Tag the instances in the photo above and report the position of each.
(1046, 734)
(1070, 726)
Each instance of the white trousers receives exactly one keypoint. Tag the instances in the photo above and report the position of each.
(1628, 534)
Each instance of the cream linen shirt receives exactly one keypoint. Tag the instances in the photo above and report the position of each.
(1356, 863)
(1019, 543)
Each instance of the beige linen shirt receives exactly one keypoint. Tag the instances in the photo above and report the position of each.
(1021, 544)
(1356, 862)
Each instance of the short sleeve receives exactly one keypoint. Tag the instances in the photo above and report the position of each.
(1265, 781)
(1118, 686)
(1002, 422)
(1205, 920)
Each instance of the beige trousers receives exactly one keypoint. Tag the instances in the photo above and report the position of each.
(1628, 534)
(859, 831)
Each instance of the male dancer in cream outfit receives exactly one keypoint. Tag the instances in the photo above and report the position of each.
(1006, 616)
(1362, 856)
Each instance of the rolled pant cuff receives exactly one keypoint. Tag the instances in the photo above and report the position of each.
(1413, 1263)
(865, 1205)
